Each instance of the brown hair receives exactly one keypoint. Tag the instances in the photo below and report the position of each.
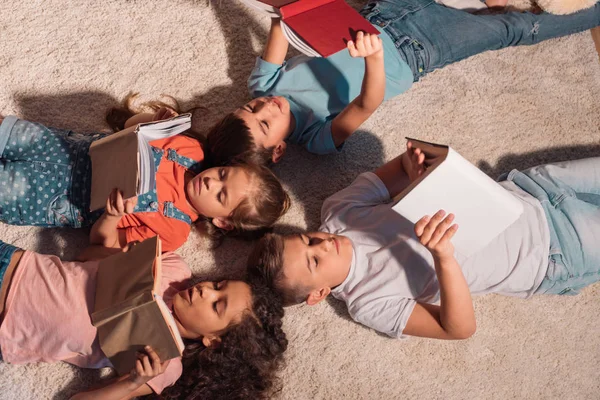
(231, 139)
(266, 261)
(244, 364)
(259, 210)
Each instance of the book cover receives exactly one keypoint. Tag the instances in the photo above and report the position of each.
(482, 208)
(129, 313)
(124, 160)
(316, 27)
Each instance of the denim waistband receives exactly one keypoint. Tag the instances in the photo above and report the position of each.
(6, 253)
(410, 50)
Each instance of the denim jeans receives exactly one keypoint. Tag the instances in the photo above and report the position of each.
(570, 195)
(429, 35)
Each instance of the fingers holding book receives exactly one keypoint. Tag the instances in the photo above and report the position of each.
(116, 206)
(435, 233)
(365, 45)
(164, 113)
(413, 162)
(147, 366)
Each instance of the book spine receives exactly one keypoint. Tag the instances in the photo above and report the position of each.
(301, 6)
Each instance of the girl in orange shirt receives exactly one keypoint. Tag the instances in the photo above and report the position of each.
(45, 178)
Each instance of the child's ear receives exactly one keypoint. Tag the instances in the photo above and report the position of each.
(222, 223)
(315, 296)
(211, 341)
(279, 151)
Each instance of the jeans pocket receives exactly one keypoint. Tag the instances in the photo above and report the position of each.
(59, 212)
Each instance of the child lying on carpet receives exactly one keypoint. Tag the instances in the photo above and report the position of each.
(319, 102)
(232, 329)
(46, 173)
(367, 255)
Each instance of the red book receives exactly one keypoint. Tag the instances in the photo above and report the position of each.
(316, 27)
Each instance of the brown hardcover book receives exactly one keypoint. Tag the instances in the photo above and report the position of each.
(125, 161)
(129, 312)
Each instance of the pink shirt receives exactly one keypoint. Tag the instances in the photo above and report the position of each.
(48, 310)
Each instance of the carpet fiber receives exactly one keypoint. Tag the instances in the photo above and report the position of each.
(65, 63)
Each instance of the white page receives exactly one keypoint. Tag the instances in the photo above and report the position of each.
(262, 7)
(151, 131)
(170, 322)
(482, 207)
(297, 41)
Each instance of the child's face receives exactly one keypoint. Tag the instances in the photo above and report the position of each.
(316, 260)
(216, 192)
(208, 308)
(269, 119)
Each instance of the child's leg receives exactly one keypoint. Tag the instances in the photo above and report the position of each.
(431, 36)
(44, 175)
(570, 195)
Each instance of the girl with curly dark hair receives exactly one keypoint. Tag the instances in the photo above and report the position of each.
(232, 329)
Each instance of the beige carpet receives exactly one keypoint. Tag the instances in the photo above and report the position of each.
(65, 62)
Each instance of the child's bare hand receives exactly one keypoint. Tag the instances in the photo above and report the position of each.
(163, 113)
(147, 366)
(116, 206)
(413, 161)
(367, 45)
(435, 234)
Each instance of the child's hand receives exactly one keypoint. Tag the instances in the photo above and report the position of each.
(413, 162)
(435, 234)
(147, 366)
(367, 45)
(164, 113)
(117, 207)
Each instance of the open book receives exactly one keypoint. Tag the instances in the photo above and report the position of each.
(129, 312)
(125, 159)
(317, 28)
(482, 208)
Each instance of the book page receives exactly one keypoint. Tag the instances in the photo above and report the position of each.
(170, 320)
(114, 165)
(482, 208)
(148, 132)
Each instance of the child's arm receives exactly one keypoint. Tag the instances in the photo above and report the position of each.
(277, 44)
(131, 385)
(372, 91)
(398, 173)
(105, 231)
(454, 318)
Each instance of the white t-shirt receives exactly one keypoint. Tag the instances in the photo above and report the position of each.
(391, 270)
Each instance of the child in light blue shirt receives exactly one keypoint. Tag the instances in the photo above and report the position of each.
(318, 103)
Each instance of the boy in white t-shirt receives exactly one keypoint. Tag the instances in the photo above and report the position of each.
(389, 272)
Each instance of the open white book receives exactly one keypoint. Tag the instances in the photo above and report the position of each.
(125, 160)
(482, 208)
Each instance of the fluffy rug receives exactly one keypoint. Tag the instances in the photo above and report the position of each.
(65, 63)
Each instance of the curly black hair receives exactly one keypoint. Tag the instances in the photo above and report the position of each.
(245, 362)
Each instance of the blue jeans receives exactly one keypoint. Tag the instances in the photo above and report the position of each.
(570, 195)
(44, 175)
(6, 253)
(430, 36)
